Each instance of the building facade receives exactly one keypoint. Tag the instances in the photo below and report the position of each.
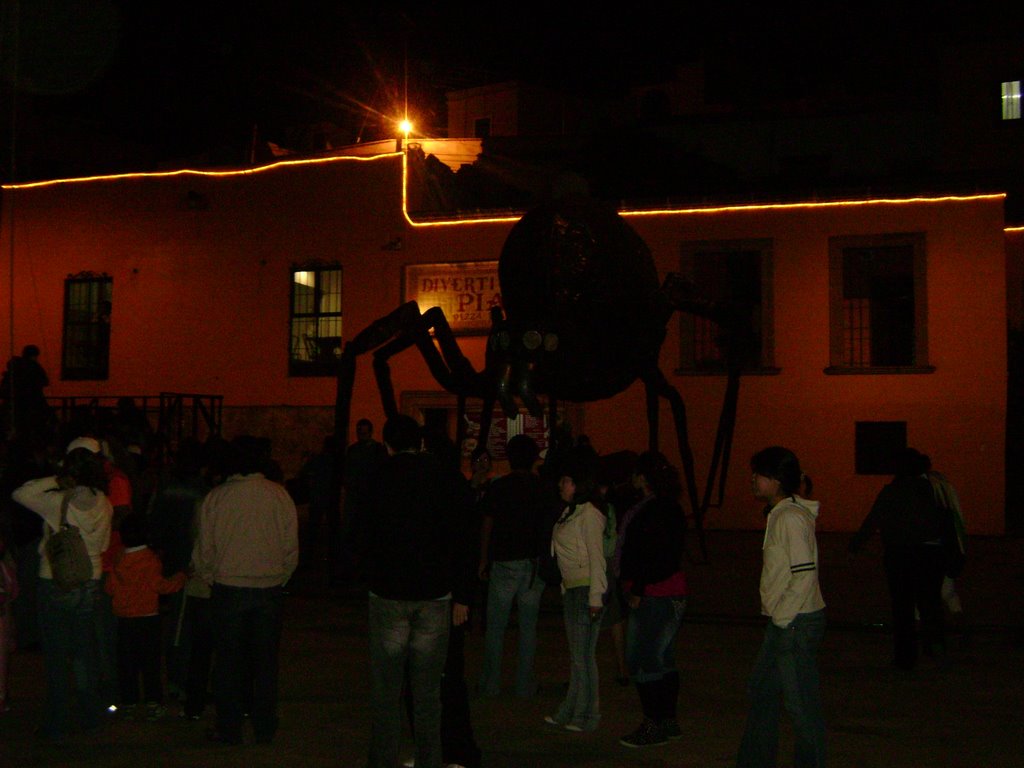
(878, 322)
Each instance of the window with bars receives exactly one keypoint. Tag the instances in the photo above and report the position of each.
(878, 303)
(735, 273)
(316, 329)
(85, 353)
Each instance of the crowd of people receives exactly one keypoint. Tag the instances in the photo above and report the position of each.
(188, 567)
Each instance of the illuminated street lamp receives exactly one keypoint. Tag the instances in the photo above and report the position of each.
(404, 128)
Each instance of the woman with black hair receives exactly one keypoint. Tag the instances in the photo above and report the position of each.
(654, 583)
(786, 666)
(66, 620)
(578, 544)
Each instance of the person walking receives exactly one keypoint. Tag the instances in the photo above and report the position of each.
(786, 670)
(910, 521)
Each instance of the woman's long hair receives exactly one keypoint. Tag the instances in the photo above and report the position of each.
(581, 466)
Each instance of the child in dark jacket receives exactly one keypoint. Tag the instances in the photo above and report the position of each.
(135, 584)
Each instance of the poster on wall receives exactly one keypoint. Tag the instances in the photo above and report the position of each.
(464, 290)
(503, 429)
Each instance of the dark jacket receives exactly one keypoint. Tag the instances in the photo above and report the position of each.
(518, 503)
(653, 547)
(417, 535)
(905, 512)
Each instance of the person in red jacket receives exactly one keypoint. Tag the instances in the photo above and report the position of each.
(135, 585)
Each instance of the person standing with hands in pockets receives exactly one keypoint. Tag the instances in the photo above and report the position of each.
(786, 666)
(578, 544)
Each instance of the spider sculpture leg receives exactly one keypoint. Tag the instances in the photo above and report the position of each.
(394, 333)
(655, 386)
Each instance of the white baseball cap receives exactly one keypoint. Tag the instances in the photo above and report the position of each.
(91, 444)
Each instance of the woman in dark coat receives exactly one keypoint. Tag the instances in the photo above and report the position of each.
(654, 584)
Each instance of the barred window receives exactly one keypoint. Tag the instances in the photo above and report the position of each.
(316, 328)
(878, 303)
(85, 352)
(736, 272)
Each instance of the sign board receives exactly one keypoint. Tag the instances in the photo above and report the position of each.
(464, 290)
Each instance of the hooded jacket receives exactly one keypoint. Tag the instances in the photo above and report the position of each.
(789, 577)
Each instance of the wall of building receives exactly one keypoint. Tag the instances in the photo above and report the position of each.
(201, 305)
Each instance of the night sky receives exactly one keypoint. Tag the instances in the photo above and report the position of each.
(109, 85)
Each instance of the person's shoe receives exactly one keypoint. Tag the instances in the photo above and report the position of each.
(551, 720)
(670, 729)
(573, 727)
(155, 711)
(649, 734)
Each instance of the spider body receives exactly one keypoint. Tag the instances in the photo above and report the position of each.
(583, 318)
(578, 280)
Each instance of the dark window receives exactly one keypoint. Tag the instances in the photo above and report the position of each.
(878, 312)
(315, 320)
(877, 444)
(482, 128)
(734, 274)
(87, 309)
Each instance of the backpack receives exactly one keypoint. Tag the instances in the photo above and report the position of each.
(66, 552)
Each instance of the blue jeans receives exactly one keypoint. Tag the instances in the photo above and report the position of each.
(786, 667)
(511, 580)
(581, 705)
(68, 638)
(106, 644)
(246, 625)
(651, 636)
(413, 633)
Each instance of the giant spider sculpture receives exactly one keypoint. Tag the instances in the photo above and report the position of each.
(584, 317)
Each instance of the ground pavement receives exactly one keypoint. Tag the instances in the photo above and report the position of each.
(968, 715)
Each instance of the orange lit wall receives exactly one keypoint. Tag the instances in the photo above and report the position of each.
(201, 305)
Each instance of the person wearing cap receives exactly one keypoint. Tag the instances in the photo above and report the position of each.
(119, 494)
(66, 618)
